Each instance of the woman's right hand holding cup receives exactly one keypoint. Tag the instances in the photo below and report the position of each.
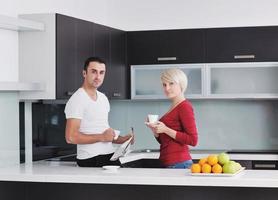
(151, 123)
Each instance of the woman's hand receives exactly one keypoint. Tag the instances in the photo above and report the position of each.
(152, 127)
(160, 127)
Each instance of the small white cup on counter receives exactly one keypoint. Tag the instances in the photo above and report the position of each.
(117, 133)
(152, 118)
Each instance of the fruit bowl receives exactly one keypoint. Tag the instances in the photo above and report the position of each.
(218, 174)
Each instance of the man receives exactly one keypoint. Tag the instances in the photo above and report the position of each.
(87, 119)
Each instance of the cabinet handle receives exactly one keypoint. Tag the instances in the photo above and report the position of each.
(166, 58)
(69, 93)
(116, 94)
(269, 166)
(244, 56)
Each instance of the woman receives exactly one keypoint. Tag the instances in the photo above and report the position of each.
(177, 128)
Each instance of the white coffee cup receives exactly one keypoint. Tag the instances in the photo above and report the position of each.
(152, 118)
(117, 133)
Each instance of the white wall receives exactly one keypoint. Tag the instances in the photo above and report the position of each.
(173, 14)
(92, 10)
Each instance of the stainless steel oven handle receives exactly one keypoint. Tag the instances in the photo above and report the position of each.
(251, 56)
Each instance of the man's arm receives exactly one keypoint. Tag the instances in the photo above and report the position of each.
(73, 136)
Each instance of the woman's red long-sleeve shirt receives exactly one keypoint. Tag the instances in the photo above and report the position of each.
(182, 120)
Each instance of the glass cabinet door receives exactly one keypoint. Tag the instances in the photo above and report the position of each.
(146, 83)
(240, 80)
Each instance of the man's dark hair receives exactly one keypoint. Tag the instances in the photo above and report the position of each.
(92, 59)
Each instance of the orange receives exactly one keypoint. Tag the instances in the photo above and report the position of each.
(206, 168)
(203, 161)
(212, 159)
(196, 168)
(217, 169)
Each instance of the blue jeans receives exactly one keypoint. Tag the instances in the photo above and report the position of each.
(182, 165)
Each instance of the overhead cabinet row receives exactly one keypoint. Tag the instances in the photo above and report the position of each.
(56, 56)
(245, 44)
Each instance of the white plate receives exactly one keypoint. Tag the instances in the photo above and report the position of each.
(217, 175)
(111, 167)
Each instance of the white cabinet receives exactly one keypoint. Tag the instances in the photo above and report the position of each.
(21, 25)
(17, 24)
(211, 81)
(37, 57)
(146, 83)
(243, 80)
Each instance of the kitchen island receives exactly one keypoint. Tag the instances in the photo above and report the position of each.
(65, 180)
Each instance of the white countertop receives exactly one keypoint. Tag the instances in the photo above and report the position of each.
(69, 172)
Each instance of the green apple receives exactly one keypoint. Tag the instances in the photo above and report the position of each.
(223, 158)
(229, 167)
(237, 166)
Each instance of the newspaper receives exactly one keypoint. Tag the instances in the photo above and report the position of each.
(122, 150)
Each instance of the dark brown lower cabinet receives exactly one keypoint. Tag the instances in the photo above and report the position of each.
(70, 191)
(12, 190)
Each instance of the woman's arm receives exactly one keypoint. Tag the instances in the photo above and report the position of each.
(189, 135)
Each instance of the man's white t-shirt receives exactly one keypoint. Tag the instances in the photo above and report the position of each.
(94, 120)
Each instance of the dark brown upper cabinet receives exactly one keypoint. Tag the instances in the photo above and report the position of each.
(74, 43)
(101, 40)
(166, 46)
(115, 84)
(246, 44)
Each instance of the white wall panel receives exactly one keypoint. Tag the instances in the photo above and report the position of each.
(8, 55)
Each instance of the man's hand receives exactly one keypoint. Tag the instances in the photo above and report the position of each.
(133, 139)
(122, 139)
(108, 135)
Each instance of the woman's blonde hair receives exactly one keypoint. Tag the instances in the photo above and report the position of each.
(175, 75)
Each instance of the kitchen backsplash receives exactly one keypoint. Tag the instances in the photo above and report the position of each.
(48, 126)
(222, 124)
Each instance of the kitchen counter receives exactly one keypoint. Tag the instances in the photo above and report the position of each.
(65, 180)
(69, 172)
